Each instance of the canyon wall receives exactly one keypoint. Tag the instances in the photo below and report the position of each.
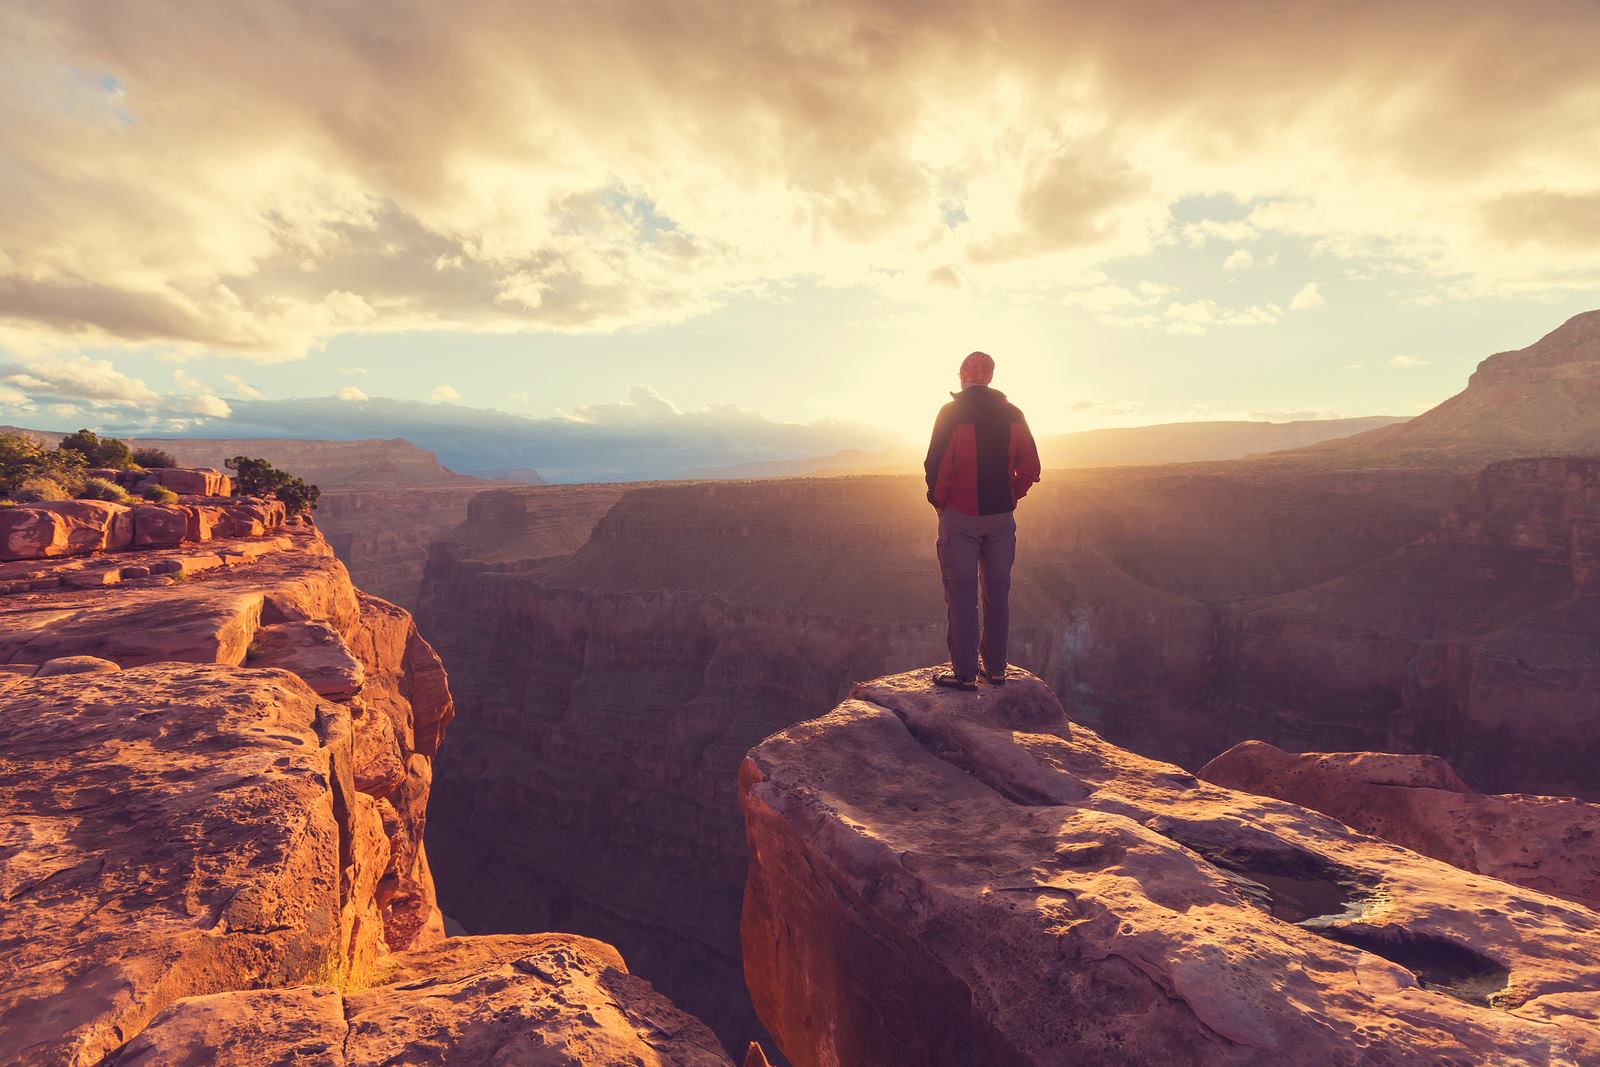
(215, 766)
(942, 877)
(610, 693)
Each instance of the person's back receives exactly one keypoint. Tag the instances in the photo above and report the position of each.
(981, 460)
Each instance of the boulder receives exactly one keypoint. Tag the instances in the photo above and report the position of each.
(946, 877)
(1551, 844)
(31, 533)
(190, 481)
(201, 521)
(314, 651)
(160, 524)
(528, 999)
(63, 528)
(76, 665)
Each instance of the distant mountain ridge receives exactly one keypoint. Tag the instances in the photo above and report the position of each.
(1126, 446)
(1542, 400)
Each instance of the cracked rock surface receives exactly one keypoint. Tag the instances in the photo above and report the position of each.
(946, 877)
(534, 999)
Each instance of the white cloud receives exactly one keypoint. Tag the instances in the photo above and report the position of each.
(828, 146)
(1408, 361)
(1309, 296)
(188, 382)
(242, 388)
(354, 370)
(349, 392)
(61, 376)
(1239, 259)
(1195, 316)
(441, 394)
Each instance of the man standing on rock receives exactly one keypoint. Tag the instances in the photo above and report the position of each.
(981, 461)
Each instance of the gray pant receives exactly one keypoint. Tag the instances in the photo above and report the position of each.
(973, 547)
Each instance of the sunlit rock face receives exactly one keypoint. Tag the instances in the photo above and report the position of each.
(540, 998)
(227, 788)
(215, 762)
(941, 877)
(609, 694)
(1551, 844)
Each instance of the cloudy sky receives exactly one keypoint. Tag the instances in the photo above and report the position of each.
(778, 212)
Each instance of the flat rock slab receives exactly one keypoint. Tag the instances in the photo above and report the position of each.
(946, 877)
(538, 999)
(1551, 844)
(208, 619)
(169, 830)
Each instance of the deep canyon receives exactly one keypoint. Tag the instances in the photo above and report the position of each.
(1430, 592)
(1296, 766)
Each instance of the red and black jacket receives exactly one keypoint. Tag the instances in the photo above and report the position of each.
(982, 458)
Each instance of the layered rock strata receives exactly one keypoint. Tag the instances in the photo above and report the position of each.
(214, 783)
(939, 877)
(60, 528)
(1551, 844)
(1475, 643)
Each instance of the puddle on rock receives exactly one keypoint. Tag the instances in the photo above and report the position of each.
(1443, 966)
(1312, 893)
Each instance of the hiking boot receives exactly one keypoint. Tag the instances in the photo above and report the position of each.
(955, 681)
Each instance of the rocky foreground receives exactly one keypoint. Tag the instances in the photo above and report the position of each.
(1551, 844)
(938, 877)
(215, 764)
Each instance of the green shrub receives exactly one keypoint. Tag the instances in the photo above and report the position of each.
(98, 451)
(22, 458)
(160, 494)
(39, 488)
(101, 489)
(151, 456)
(257, 477)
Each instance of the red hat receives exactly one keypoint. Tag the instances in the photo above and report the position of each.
(977, 369)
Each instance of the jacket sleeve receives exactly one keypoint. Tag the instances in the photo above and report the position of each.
(1024, 458)
(944, 429)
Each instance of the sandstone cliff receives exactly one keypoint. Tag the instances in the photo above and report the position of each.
(215, 764)
(1418, 802)
(966, 878)
(383, 501)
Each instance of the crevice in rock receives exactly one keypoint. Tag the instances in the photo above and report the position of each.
(939, 749)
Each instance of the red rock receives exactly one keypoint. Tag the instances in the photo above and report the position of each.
(63, 528)
(1418, 802)
(190, 481)
(75, 665)
(200, 521)
(530, 999)
(160, 524)
(942, 877)
(312, 650)
(233, 878)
